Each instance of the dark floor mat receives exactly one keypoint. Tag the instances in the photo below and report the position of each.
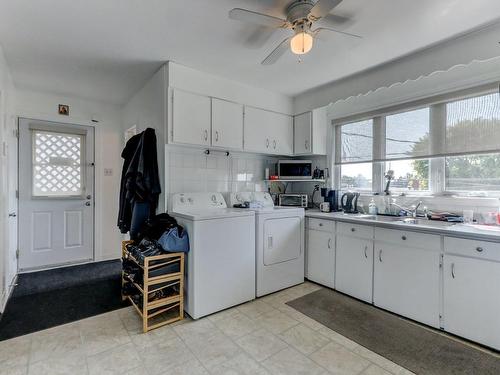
(30, 312)
(58, 278)
(416, 348)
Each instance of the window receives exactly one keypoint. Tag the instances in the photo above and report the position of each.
(473, 173)
(473, 125)
(456, 142)
(357, 176)
(409, 175)
(357, 141)
(57, 160)
(407, 134)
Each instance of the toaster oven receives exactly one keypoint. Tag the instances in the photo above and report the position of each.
(293, 200)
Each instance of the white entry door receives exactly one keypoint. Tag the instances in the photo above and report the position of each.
(56, 194)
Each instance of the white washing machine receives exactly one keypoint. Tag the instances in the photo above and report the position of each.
(220, 269)
(279, 242)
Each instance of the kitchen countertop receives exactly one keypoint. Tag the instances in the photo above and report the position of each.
(482, 233)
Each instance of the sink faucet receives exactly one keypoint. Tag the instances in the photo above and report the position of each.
(410, 212)
(414, 212)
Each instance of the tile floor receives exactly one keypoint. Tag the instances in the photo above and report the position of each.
(264, 336)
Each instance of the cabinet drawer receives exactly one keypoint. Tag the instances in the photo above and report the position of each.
(355, 230)
(409, 238)
(472, 248)
(321, 224)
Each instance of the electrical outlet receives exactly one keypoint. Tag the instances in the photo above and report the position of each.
(108, 171)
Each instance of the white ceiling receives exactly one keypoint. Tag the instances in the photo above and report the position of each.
(106, 49)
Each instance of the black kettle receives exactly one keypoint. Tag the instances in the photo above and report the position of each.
(349, 202)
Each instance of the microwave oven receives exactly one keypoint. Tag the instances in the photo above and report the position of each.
(295, 169)
(293, 200)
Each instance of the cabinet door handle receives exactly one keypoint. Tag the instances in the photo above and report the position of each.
(306, 144)
(453, 270)
(216, 136)
(267, 142)
(403, 238)
(270, 242)
(479, 249)
(274, 144)
(366, 249)
(205, 135)
(353, 229)
(329, 243)
(380, 255)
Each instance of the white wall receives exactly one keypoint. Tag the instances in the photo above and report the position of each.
(8, 237)
(478, 45)
(189, 79)
(187, 168)
(147, 109)
(108, 147)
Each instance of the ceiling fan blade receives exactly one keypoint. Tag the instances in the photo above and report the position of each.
(320, 29)
(277, 52)
(257, 37)
(256, 18)
(333, 20)
(322, 8)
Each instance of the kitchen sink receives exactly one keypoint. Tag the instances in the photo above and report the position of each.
(424, 222)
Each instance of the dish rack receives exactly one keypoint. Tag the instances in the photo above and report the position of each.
(157, 280)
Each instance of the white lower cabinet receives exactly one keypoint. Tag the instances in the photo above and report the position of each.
(471, 291)
(406, 274)
(320, 261)
(354, 267)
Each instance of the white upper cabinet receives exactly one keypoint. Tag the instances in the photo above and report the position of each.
(268, 132)
(282, 134)
(310, 132)
(255, 132)
(205, 121)
(190, 118)
(302, 127)
(227, 124)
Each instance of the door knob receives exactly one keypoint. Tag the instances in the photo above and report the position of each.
(87, 204)
(89, 196)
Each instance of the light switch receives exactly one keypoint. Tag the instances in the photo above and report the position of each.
(108, 171)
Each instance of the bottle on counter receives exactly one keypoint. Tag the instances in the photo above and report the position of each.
(372, 207)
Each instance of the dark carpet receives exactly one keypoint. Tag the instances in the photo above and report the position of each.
(418, 349)
(49, 298)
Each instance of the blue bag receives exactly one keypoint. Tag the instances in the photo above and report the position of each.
(172, 242)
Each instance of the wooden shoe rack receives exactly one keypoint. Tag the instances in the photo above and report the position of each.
(168, 309)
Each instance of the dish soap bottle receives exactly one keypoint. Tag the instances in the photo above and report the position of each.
(372, 208)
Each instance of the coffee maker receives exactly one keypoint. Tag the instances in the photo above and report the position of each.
(332, 197)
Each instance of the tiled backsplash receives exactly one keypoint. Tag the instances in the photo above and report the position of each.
(191, 170)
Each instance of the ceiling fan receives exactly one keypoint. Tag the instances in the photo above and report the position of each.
(300, 17)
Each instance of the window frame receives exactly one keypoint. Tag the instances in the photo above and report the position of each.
(437, 135)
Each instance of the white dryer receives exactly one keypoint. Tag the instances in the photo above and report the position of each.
(220, 270)
(279, 242)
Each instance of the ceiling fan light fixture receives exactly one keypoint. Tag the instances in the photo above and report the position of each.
(301, 43)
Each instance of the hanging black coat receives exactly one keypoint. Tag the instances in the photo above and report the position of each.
(140, 182)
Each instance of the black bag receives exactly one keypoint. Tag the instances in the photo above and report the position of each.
(156, 226)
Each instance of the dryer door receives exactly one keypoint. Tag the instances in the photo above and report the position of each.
(282, 240)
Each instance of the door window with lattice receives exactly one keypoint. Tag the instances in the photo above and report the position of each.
(57, 164)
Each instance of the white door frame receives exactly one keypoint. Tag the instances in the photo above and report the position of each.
(75, 125)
